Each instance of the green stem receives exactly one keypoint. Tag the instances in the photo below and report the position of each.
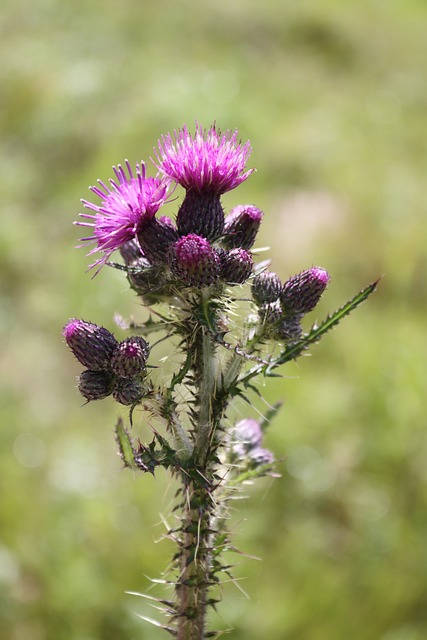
(195, 563)
(195, 553)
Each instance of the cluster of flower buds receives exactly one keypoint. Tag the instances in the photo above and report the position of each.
(112, 367)
(246, 450)
(282, 306)
(203, 246)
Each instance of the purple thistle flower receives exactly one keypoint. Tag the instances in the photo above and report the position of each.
(301, 293)
(193, 260)
(92, 345)
(206, 161)
(126, 206)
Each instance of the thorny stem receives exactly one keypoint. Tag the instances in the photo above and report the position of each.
(194, 579)
(195, 558)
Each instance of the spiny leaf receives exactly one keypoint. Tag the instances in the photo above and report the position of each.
(269, 415)
(125, 445)
(180, 375)
(293, 351)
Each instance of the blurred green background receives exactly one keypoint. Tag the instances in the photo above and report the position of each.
(333, 97)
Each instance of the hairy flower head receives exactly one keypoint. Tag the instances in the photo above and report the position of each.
(206, 161)
(193, 260)
(127, 204)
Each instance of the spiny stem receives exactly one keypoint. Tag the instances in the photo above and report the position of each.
(195, 555)
(194, 579)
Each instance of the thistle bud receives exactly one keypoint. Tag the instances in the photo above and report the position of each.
(248, 433)
(127, 391)
(271, 313)
(266, 287)
(260, 456)
(132, 254)
(92, 345)
(301, 293)
(168, 221)
(155, 239)
(289, 328)
(236, 266)
(201, 213)
(95, 385)
(194, 261)
(241, 227)
(130, 356)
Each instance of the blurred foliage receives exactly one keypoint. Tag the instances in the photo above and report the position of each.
(333, 96)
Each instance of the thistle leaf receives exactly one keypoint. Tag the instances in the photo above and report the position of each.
(125, 445)
(317, 332)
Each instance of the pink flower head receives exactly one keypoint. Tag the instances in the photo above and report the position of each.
(127, 204)
(206, 161)
(193, 260)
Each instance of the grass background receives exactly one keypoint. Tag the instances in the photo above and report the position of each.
(333, 97)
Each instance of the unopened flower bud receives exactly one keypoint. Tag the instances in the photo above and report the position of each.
(201, 213)
(130, 356)
(95, 385)
(92, 345)
(289, 328)
(260, 456)
(248, 432)
(236, 266)
(271, 313)
(155, 239)
(193, 260)
(241, 227)
(266, 287)
(132, 254)
(127, 391)
(301, 293)
(168, 221)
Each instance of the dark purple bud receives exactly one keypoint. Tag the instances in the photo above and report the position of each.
(266, 287)
(149, 282)
(130, 356)
(201, 213)
(132, 254)
(92, 345)
(127, 391)
(95, 385)
(168, 221)
(302, 292)
(289, 328)
(193, 260)
(236, 266)
(155, 238)
(241, 227)
(271, 314)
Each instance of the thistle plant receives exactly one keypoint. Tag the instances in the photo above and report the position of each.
(229, 321)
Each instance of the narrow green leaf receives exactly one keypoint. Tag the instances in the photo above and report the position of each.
(125, 445)
(293, 351)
